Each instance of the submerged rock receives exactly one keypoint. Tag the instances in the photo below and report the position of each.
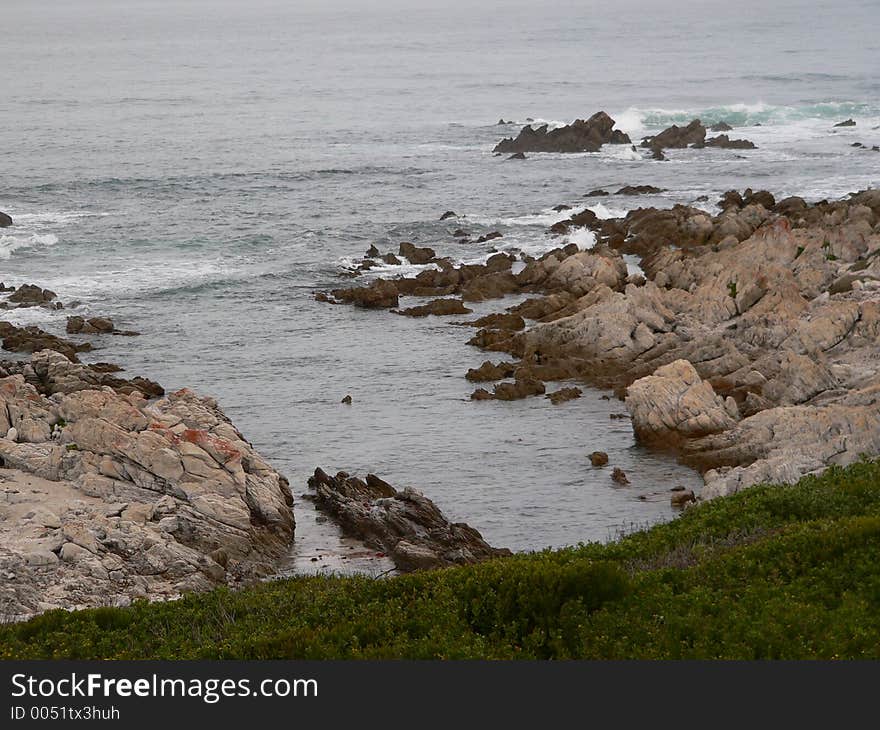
(404, 524)
(846, 123)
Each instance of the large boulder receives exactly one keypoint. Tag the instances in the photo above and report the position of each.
(675, 404)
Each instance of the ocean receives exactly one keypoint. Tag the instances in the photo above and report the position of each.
(198, 170)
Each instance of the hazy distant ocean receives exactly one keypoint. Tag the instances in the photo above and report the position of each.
(197, 169)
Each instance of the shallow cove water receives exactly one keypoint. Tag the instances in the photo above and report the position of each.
(197, 170)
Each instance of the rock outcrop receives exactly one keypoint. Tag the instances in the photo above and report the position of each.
(580, 136)
(404, 524)
(676, 137)
(110, 497)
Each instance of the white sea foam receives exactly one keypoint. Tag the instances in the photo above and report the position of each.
(11, 242)
(583, 237)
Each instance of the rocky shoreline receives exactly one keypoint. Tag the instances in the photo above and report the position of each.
(113, 491)
(749, 346)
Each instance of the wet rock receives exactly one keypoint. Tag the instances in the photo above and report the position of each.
(372, 252)
(618, 476)
(722, 141)
(346, 400)
(599, 458)
(598, 193)
(639, 190)
(405, 524)
(490, 237)
(846, 123)
(522, 387)
(391, 259)
(581, 136)
(508, 321)
(438, 307)
(720, 127)
(5, 220)
(564, 394)
(415, 254)
(380, 294)
(676, 137)
(460, 233)
(561, 207)
(30, 295)
(32, 339)
(518, 156)
(448, 214)
(489, 371)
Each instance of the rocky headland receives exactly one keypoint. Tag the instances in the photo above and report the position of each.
(749, 345)
(113, 490)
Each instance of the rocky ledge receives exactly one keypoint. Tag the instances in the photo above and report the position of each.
(404, 524)
(109, 495)
(750, 346)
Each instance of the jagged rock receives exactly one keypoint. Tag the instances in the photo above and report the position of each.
(720, 127)
(677, 137)
(488, 372)
(404, 524)
(722, 141)
(580, 136)
(416, 255)
(33, 339)
(380, 294)
(347, 400)
(31, 295)
(52, 372)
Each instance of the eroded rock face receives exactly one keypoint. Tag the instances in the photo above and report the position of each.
(138, 498)
(580, 136)
(404, 524)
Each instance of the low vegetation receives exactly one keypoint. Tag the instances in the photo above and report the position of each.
(775, 572)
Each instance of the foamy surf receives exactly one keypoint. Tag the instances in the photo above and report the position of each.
(12, 242)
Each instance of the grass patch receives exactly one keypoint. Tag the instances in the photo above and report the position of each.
(775, 572)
